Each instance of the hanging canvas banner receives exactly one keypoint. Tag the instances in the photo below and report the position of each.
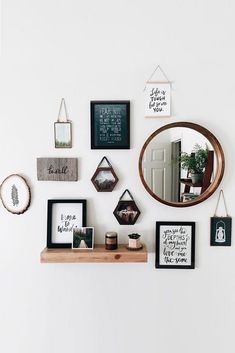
(157, 96)
(104, 178)
(126, 211)
(221, 227)
(63, 128)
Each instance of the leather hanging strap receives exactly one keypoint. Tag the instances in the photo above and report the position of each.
(107, 161)
(128, 192)
(217, 205)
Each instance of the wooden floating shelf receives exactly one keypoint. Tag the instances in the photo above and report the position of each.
(98, 254)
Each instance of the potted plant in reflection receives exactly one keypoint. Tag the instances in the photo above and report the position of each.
(195, 162)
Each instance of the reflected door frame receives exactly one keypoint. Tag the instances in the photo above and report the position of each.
(176, 171)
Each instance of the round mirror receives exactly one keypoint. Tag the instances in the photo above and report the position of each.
(181, 164)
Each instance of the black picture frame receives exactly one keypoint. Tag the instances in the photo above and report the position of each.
(175, 246)
(221, 231)
(111, 131)
(50, 214)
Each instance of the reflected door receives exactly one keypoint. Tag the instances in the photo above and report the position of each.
(157, 169)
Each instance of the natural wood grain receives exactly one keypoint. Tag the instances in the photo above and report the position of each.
(98, 254)
(57, 169)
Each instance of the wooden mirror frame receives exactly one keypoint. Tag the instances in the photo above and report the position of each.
(219, 155)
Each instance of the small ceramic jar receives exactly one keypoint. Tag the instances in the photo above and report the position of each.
(134, 241)
(111, 242)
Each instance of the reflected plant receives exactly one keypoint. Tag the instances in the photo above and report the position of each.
(195, 162)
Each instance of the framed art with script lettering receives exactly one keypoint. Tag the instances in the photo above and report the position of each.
(63, 217)
(110, 124)
(158, 99)
(175, 245)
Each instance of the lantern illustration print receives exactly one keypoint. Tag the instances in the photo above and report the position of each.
(220, 236)
(221, 231)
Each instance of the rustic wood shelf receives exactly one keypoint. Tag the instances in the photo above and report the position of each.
(98, 254)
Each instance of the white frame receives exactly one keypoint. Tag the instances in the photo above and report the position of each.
(93, 237)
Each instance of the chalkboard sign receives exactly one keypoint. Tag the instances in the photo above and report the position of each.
(110, 124)
(175, 245)
(221, 231)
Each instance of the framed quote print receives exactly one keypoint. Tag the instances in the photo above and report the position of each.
(63, 216)
(175, 245)
(110, 124)
(158, 99)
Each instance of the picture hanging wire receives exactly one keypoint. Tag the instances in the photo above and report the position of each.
(153, 73)
(128, 192)
(66, 119)
(216, 208)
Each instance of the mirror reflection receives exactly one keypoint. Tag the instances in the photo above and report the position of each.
(179, 164)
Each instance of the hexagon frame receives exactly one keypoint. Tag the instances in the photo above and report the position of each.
(106, 185)
(126, 212)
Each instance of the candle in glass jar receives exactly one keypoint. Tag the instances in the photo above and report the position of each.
(111, 241)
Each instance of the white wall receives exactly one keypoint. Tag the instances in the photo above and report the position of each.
(84, 50)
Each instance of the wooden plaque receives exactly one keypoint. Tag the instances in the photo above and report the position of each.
(57, 169)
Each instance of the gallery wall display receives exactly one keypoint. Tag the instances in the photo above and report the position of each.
(181, 164)
(63, 216)
(57, 169)
(126, 211)
(15, 194)
(221, 226)
(175, 245)
(104, 178)
(83, 238)
(157, 96)
(63, 128)
(110, 124)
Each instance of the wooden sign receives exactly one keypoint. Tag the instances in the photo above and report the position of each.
(57, 169)
(175, 245)
(110, 124)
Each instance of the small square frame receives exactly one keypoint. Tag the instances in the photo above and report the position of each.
(87, 239)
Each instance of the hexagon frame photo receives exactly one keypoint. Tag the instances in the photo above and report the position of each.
(126, 211)
(104, 178)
